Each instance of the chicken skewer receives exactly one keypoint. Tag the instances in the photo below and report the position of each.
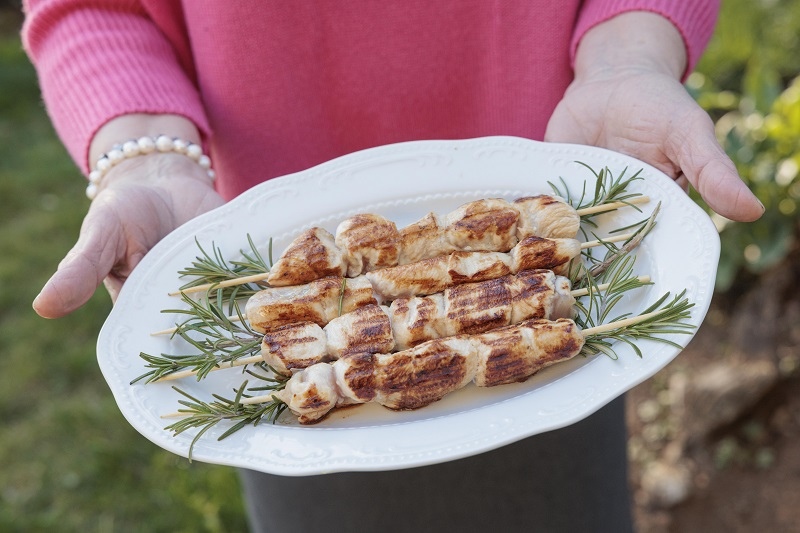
(424, 374)
(436, 274)
(367, 242)
(419, 376)
(531, 252)
(471, 308)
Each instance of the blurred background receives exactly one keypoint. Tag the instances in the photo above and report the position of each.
(714, 438)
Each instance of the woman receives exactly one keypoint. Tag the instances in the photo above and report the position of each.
(269, 88)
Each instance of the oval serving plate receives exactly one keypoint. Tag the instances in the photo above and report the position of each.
(404, 182)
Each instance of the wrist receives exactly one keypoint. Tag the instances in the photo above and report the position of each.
(636, 41)
(148, 148)
(136, 125)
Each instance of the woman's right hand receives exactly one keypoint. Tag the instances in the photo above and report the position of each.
(141, 200)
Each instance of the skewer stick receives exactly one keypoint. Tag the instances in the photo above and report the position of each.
(257, 358)
(619, 324)
(221, 285)
(617, 238)
(577, 293)
(602, 208)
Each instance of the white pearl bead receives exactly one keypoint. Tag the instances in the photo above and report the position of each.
(115, 156)
(179, 145)
(194, 151)
(130, 149)
(164, 144)
(146, 145)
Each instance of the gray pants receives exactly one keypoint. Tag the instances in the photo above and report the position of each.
(569, 480)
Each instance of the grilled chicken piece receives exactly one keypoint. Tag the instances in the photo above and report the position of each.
(540, 294)
(478, 307)
(409, 379)
(367, 329)
(539, 252)
(294, 346)
(437, 273)
(312, 255)
(416, 320)
(424, 374)
(368, 241)
(419, 376)
(312, 393)
(316, 302)
(487, 225)
(300, 345)
(546, 216)
(515, 353)
(423, 239)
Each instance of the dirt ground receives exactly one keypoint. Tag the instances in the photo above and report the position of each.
(725, 458)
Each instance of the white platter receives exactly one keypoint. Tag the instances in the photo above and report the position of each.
(404, 182)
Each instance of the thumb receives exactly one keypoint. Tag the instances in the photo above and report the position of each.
(79, 273)
(708, 168)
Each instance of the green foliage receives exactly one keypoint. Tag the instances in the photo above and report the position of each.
(748, 82)
(70, 461)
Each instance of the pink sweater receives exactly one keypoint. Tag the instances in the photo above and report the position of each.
(277, 87)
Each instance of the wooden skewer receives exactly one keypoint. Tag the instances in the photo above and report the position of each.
(611, 326)
(223, 284)
(617, 238)
(577, 293)
(602, 208)
(257, 358)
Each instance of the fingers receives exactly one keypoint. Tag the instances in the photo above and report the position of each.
(82, 270)
(706, 166)
(71, 286)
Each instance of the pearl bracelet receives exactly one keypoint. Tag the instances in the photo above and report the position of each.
(144, 146)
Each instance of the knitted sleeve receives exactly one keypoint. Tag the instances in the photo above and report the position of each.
(100, 59)
(694, 19)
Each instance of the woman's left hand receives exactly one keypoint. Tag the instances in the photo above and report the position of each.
(634, 103)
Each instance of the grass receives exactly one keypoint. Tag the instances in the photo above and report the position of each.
(68, 459)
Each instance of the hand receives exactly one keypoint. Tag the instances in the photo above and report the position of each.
(141, 201)
(631, 100)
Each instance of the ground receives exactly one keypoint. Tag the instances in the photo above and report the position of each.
(740, 469)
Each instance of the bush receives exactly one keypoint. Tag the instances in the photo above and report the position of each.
(755, 99)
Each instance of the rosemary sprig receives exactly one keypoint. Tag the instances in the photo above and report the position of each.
(216, 337)
(669, 316)
(205, 415)
(580, 276)
(211, 268)
(669, 319)
(607, 189)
